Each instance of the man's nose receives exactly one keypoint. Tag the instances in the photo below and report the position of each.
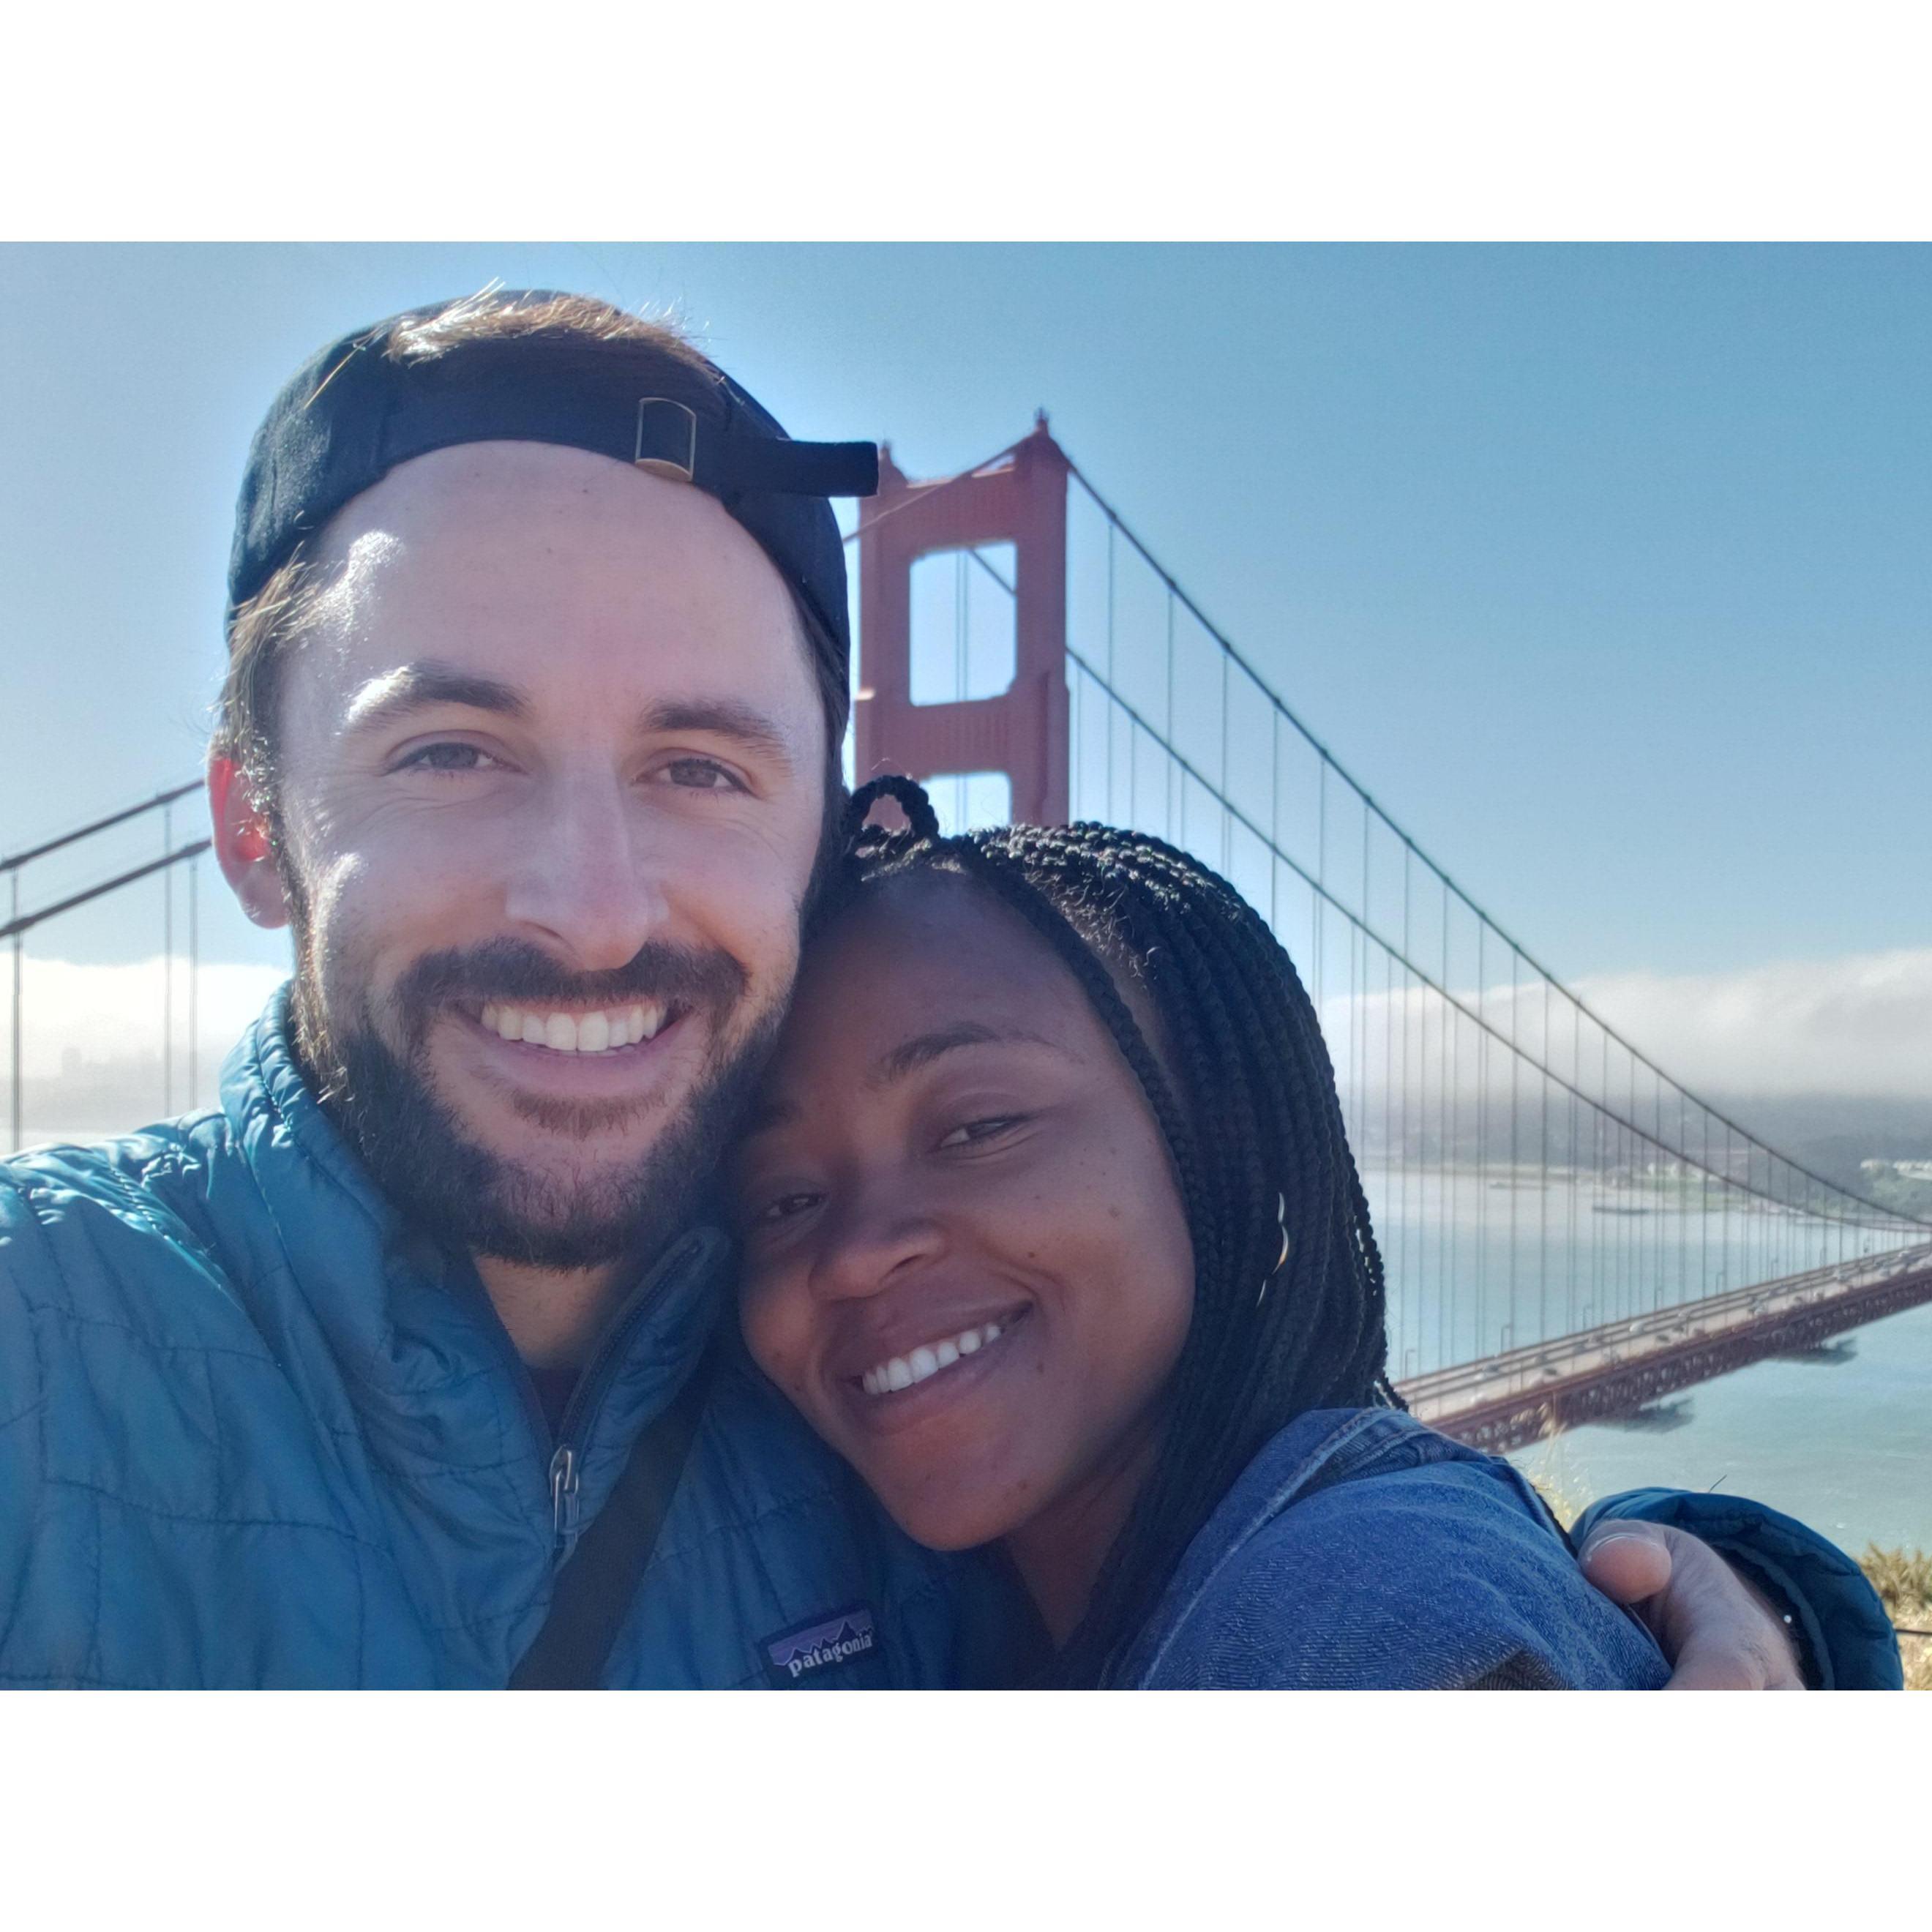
(587, 875)
(874, 1237)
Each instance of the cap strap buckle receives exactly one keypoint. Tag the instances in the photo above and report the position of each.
(655, 464)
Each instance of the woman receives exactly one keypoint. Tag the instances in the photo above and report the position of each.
(1051, 1228)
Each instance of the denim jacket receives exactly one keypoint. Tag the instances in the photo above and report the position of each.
(1359, 1550)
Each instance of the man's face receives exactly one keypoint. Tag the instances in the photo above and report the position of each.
(552, 779)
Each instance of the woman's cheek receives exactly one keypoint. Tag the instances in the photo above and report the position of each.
(762, 1323)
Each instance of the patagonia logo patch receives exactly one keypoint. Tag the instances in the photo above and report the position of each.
(795, 1656)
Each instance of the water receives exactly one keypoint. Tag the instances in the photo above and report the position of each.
(1478, 1262)
(1844, 1445)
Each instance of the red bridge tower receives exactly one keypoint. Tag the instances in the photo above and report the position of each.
(1023, 731)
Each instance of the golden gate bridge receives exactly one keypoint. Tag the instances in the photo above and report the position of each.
(1569, 1233)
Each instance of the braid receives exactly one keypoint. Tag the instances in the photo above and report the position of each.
(1255, 1130)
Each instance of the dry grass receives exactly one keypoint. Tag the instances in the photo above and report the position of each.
(1903, 1579)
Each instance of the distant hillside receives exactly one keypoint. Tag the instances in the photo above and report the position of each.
(1831, 1135)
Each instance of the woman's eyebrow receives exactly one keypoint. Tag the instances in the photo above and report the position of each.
(898, 1061)
(924, 1048)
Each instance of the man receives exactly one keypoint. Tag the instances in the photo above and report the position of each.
(537, 685)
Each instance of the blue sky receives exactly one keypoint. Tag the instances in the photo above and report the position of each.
(1605, 569)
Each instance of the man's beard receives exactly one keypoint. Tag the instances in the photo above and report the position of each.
(462, 1194)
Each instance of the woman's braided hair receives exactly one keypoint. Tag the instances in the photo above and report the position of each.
(1256, 1136)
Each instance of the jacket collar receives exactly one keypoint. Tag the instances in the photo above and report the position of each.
(434, 1385)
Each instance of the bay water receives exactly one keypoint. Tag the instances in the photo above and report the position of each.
(1840, 1437)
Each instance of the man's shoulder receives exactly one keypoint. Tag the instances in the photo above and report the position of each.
(80, 1223)
(120, 1170)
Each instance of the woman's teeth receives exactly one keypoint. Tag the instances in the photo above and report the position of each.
(576, 1033)
(903, 1371)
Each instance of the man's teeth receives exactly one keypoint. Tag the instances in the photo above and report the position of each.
(903, 1371)
(576, 1033)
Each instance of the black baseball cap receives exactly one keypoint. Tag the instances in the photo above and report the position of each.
(355, 410)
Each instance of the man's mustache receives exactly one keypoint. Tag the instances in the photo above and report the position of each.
(508, 969)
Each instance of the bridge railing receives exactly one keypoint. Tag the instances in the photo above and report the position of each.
(33, 902)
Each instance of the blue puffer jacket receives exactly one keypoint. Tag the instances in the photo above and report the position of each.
(251, 1432)
(254, 1431)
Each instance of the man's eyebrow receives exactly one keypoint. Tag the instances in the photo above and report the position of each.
(924, 1048)
(722, 717)
(417, 686)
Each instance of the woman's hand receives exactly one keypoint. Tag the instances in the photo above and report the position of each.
(1717, 1631)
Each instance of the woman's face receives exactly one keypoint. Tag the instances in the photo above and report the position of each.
(966, 1261)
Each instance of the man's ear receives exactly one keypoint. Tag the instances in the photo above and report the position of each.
(242, 844)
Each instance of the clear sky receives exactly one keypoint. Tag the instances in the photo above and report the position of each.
(1607, 570)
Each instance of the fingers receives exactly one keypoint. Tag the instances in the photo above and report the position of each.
(1629, 1562)
(1738, 1665)
(1716, 1630)
(1706, 1669)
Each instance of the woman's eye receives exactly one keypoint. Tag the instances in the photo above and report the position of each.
(783, 1208)
(980, 1130)
(700, 775)
(447, 757)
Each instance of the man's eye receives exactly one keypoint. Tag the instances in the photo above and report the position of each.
(700, 775)
(987, 1130)
(447, 757)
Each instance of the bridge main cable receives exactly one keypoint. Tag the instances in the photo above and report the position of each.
(1330, 761)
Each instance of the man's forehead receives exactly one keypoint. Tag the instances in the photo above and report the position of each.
(645, 586)
(534, 497)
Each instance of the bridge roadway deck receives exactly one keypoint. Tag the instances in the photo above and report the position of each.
(1601, 1373)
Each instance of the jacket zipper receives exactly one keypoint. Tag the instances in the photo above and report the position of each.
(566, 1463)
(563, 1502)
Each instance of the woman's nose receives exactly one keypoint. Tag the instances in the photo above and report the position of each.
(873, 1241)
(587, 876)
